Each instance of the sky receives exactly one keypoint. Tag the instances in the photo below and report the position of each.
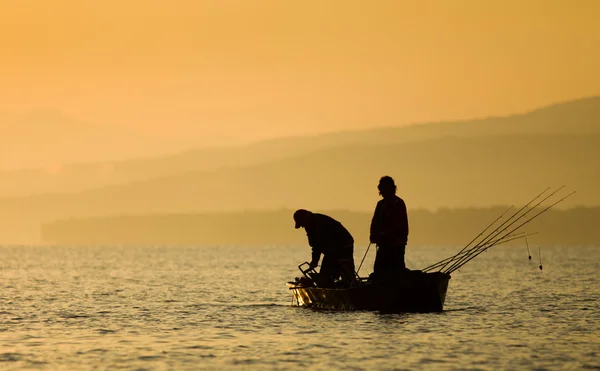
(264, 68)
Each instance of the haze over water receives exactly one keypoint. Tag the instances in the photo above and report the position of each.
(227, 307)
(129, 124)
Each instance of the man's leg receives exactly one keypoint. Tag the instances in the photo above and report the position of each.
(347, 269)
(395, 258)
(329, 271)
(400, 257)
(383, 261)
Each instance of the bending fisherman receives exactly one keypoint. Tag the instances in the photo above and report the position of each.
(329, 237)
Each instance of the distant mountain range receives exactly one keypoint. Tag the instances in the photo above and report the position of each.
(48, 140)
(576, 117)
(474, 163)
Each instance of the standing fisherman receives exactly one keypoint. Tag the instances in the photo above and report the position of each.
(389, 230)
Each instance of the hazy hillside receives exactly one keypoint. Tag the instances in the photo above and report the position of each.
(449, 172)
(49, 141)
(444, 227)
(576, 117)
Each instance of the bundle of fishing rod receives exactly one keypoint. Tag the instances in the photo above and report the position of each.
(503, 232)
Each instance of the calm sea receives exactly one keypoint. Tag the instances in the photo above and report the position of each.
(227, 307)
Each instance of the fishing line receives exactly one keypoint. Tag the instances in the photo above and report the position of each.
(479, 235)
(527, 244)
(466, 253)
(502, 228)
(476, 250)
(540, 251)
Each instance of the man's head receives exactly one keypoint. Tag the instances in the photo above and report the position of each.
(301, 217)
(387, 186)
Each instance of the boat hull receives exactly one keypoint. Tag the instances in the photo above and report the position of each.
(413, 291)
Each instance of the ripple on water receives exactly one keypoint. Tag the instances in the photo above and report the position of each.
(180, 308)
(11, 357)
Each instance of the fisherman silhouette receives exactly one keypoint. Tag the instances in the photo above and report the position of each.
(329, 237)
(389, 230)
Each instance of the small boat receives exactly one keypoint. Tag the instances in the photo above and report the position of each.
(413, 290)
(410, 291)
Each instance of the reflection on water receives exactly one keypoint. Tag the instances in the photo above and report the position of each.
(228, 307)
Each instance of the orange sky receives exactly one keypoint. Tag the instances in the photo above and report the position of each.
(261, 68)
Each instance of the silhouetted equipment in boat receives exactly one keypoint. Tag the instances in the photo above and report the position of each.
(408, 291)
(419, 290)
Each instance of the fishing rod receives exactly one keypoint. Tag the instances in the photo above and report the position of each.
(541, 212)
(476, 237)
(499, 240)
(509, 240)
(520, 216)
(495, 244)
(363, 259)
(460, 263)
(511, 217)
(513, 238)
(478, 249)
(488, 236)
(489, 244)
(492, 235)
(449, 259)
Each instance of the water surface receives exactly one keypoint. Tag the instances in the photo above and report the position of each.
(227, 307)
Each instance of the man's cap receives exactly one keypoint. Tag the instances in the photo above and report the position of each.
(300, 216)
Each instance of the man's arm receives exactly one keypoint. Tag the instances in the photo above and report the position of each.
(314, 242)
(375, 230)
(400, 217)
(316, 255)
